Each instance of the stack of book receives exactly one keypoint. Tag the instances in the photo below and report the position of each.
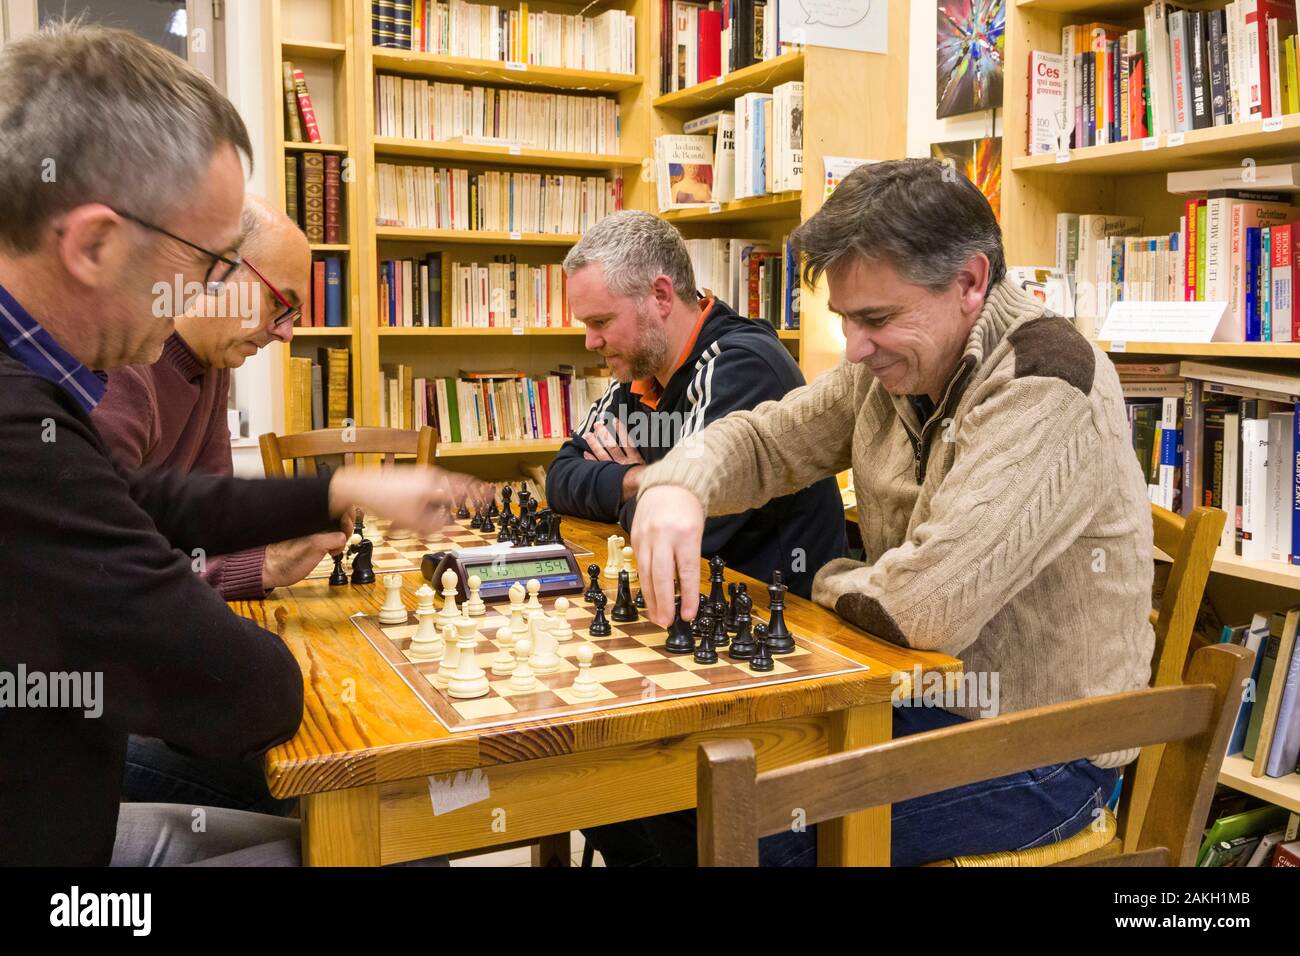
(428, 197)
(700, 41)
(481, 406)
(605, 43)
(755, 279)
(313, 190)
(1247, 832)
(325, 301)
(320, 394)
(1183, 70)
(300, 125)
(503, 293)
(453, 112)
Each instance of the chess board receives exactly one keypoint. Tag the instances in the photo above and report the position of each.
(404, 553)
(630, 665)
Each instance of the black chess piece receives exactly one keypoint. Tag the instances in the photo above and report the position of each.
(487, 525)
(462, 512)
(506, 494)
(477, 521)
(717, 593)
(362, 552)
(742, 645)
(624, 609)
(640, 600)
(503, 536)
(761, 660)
(492, 510)
(779, 638)
(338, 577)
(680, 640)
(593, 587)
(744, 614)
(732, 590)
(720, 636)
(599, 626)
(359, 523)
(557, 536)
(706, 653)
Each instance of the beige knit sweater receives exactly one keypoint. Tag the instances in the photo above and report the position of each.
(1012, 530)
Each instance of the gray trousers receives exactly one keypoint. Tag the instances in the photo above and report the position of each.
(169, 834)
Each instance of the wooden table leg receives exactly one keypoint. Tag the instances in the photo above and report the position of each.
(553, 851)
(859, 839)
(341, 828)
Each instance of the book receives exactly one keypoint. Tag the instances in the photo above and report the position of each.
(1255, 634)
(1273, 679)
(1046, 101)
(724, 158)
(291, 188)
(1284, 747)
(787, 137)
(1251, 823)
(317, 294)
(334, 292)
(310, 127)
(292, 122)
(1269, 654)
(333, 199)
(313, 196)
(684, 171)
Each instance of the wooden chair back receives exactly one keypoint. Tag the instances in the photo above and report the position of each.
(1192, 543)
(306, 447)
(737, 805)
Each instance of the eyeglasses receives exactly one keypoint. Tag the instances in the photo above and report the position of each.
(222, 266)
(290, 313)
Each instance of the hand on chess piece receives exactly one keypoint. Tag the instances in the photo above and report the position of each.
(419, 498)
(288, 562)
(666, 536)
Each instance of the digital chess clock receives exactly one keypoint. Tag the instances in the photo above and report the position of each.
(500, 566)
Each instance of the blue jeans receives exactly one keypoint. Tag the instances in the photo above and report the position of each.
(1015, 812)
(155, 773)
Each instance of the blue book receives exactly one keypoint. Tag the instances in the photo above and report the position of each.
(1252, 284)
(1256, 634)
(333, 291)
(1295, 487)
(1285, 747)
(401, 24)
(759, 154)
(1265, 284)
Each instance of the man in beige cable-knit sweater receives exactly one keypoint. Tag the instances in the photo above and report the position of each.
(1003, 514)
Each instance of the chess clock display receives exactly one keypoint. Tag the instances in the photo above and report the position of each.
(498, 567)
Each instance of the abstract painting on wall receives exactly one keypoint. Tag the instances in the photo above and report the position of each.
(969, 38)
(980, 161)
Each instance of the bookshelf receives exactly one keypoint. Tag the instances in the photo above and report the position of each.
(1129, 178)
(317, 36)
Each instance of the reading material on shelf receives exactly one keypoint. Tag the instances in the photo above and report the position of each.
(429, 197)
(320, 394)
(300, 125)
(490, 406)
(605, 43)
(683, 171)
(446, 112)
(503, 293)
(325, 300)
(313, 188)
(759, 282)
(701, 41)
(722, 124)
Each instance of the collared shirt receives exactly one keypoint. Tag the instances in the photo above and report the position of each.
(648, 390)
(33, 345)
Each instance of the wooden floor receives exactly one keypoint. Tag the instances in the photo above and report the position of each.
(522, 856)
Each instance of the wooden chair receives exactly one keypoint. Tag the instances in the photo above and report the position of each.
(737, 806)
(306, 447)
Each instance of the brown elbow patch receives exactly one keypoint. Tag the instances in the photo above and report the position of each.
(1053, 348)
(870, 615)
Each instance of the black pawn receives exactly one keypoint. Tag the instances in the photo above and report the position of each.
(462, 512)
(503, 536)
(599, 624)
(742, 645)
(477, 521)
(779, 640)
(717, 594)
(338, 577)
(593, 587)
(493, 511)
(720, 637)
(706, 653)
(506, 494)
(624, 609)
(640, 600)
(487, 524)
(761, 660)
(680, 640)
(732, 590)
(744, 615)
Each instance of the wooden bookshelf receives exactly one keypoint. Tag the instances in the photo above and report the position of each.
(457, 332)
(460, 69)
(752, 209)
(1283, 791)
(474, 237)
(1235, 350)
(470, 449)
(314, 147)
(497, 156)
(718, 93)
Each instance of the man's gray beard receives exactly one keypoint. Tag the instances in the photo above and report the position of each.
(652, 348)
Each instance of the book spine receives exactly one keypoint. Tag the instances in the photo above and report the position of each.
(291, 207)
(308, 112)
(292, 123)
(333, 200)
(313, 192)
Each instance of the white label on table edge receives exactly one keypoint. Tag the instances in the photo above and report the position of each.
(1175, 139)
(448, 792)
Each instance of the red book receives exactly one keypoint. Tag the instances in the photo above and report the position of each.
(1287, 854)
(1137, 113)
(308, 112)
(709, 39)
(318, 292)
(333, 199)
(544, 413)
(1262, 12)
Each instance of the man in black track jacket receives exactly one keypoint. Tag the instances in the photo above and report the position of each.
(679, 361)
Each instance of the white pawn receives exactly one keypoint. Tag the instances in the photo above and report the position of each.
(534, 588)
(468, 680)
(518, 623)
(560, 625)
(544, 660)
(585, 687)
(522, 680)
(474, 607)
(504, 665)
(629, 565)
(426, 645)
(393, 611)
(449, 609)
(450, 658)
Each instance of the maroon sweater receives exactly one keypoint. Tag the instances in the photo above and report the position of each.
(171, 416)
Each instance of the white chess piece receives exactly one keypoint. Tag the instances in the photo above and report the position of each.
(518, 623)
(393, 611)
(450, 658)
(449, 609)
(560, 625)
(534, 588)
(614, 544)
(544, 660)
(475, 607)
(522, 680)
(629, 565)
(504, 665)
(468, 680)
(585, 686)
(427, 644)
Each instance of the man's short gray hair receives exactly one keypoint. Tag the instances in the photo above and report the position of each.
(635, 248)
(94, 114)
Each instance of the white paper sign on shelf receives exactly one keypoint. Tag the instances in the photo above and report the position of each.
(1272, 124)
(516, 65)
(1062, 155)
(1162, 321)
(1175, 139)
(861, 25)
(715, 207)
(516, 236)
(1150, 142)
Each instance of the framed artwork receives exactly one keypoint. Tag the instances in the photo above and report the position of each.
(969, 40)
(980, 161)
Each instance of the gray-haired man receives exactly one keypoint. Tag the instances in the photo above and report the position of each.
(120, 168)
(1003, 514)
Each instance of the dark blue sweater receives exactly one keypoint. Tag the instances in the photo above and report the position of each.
(736, 364)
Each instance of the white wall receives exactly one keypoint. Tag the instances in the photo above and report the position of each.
(923, 128)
